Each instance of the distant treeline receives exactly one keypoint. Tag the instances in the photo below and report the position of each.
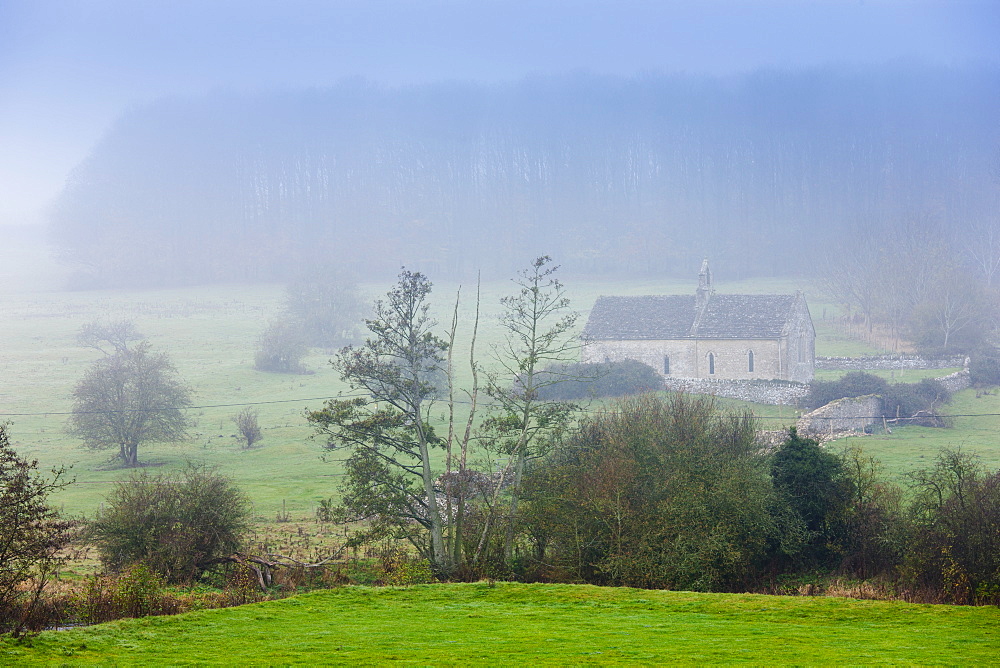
(611, 175)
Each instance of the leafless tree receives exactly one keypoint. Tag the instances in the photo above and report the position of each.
(108, 337)
(248, 427)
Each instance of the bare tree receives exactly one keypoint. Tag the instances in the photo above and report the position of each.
(982, 246)
(128, 398)
(248, 427)
(108, 337)
(457, 487)
(849, 275)
(956, 304)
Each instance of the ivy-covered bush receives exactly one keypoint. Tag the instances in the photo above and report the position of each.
(568, 382)
(898, 399)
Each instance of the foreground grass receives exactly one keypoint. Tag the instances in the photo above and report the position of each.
(509, 623)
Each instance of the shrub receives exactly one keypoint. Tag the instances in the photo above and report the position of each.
(658, 492)
(280, 349)
(178, 526)
(135, 592)
(248, 426)
(809, 480)
(902, 399)
(955, 549)
(31, 535)
(568, 382)
(853, 384)
(907, 399)
(984, 366)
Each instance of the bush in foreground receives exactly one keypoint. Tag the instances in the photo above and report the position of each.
(657, 492)
(178, 526)
(31, 536)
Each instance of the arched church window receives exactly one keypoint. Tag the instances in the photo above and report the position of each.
(711, 363)
(666, 365)
(750, 361)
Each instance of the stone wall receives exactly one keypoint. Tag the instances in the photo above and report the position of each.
(852, 414)
(954, 382)
(888, 362)
(773, 392)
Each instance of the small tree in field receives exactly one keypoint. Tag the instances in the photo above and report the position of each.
(248, 427)
(280, 349)
(31, 535)
(128, 398)
(108, 337)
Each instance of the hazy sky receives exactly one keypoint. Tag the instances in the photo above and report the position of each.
(68, 68)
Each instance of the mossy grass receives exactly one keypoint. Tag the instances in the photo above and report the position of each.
(505, 624)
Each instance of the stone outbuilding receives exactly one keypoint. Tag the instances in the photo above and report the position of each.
(706, 335)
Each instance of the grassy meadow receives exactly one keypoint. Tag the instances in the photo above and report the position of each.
(505, 624)
(210, 333)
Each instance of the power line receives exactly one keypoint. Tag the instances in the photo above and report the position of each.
(457, 401)
(173, 408)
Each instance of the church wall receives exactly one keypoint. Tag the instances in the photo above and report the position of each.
(689, 357)
(799, 344)
(681, 354)
(732, 359)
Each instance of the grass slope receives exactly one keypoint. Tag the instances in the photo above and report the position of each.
(510, 623)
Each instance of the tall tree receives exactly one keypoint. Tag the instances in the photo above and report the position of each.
(389, 474)
(129, 398)
(538, 327)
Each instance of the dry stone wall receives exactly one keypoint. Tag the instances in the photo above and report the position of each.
(888, 362)
(852, 414)
(954, 382)
(773, 392)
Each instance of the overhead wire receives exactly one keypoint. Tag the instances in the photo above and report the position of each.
(457, 401)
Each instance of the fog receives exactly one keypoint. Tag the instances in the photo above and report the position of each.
(227, 139)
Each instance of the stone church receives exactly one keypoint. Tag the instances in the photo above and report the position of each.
(706, 335)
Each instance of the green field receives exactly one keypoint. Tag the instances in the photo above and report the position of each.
(506, 624)
(210, 333)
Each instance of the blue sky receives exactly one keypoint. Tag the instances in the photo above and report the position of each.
(69, 68)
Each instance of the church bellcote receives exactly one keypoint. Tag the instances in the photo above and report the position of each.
(704, 286)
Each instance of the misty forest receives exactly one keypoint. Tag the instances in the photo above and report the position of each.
(393, 337)
(614, 176)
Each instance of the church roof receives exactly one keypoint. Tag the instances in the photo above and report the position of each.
(677, 317)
